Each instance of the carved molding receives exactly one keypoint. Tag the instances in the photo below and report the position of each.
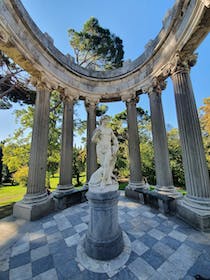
(92, 101)
(69, 96)
(180, 62)
(130, 97)
(206, 3)
(158, 84)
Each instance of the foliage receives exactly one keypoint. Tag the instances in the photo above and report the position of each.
(21, 175)
(95, 47)
(10, 194)
(205, 125)
(79, 160)
(1, 164)
(175, 156)
(14, 84)
(147, 158)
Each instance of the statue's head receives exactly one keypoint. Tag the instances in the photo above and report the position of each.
(105, 119)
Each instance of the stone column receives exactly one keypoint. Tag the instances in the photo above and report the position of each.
(90, 105)
(195, 207)
(136, 178)
(65, 181)
(162, 167)
(36, 202)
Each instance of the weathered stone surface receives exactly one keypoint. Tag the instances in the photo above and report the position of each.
(104, 240)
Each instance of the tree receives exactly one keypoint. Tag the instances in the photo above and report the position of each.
(205, 125)
(14, 84)
(95, 47)
(1, 164)
(79, 159)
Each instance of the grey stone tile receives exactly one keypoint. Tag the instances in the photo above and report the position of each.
(141, 269)
(72, 240)
(133, 256)
(163, 249)
(51, 230)
(178, 235)
(22, 272)
(49, 224)
(68, 232)
(4, 275)
(50, 274)
(171, 242)
(69, 269)
(56, 246)
(148, 240)
(148, 215)
(81, 227)
(39, 253)
(22, 248)
(170, 271)
(156, 234)
(153, 258)
(138, 247)
(36, 234)
(164, 228)
(54, 237)
(20, 260)
(201, 267)
(41, 265)
(39, 242)
(124, 274)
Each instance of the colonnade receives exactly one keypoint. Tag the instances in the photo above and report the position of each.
(36, 201)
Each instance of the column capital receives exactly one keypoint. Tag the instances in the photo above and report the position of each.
(180, 63)
(42, 83)
(158, 84)
(4, 37)
(130, 97)
(206, 3)
(91, 101)
(69, 96)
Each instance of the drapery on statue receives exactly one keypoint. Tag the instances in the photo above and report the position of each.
(106, 150)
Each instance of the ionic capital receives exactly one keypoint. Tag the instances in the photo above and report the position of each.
(130, 97)
(180, 63)
(4, 37)
(158, 84)
(206, 3)
(91, 101)
(69, 95)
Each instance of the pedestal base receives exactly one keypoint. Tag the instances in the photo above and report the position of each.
(35, 210)
(131, 189)
(197, 217)
(104, 240)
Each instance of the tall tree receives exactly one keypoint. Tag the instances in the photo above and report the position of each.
(96, 47)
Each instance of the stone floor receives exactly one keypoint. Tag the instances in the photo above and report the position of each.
(162, 247)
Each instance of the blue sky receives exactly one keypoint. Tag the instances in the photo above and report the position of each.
(134, 21)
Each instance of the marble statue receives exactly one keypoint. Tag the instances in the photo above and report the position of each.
(106, 151)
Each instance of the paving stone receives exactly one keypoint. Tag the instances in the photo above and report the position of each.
(42, 265)
(148, 215)
(4, 275)
(49, 224)
(20, 260)
(56, 246)
(163, 249)
(139, 247)
(68, 232)
(39, 242)
(171, 242)
(36, 234)
(81, 227)
(153, 258)
(170, 271)
(201, 267)
(51, 230)
(141, 269)
(178, 235)
(124, 274)
(39, 253)
(72, 240)
(50, 274)
(164, 228)
(74, 220)
(156, 234)
(22, 272)
(56, 236)
(17, 250)
(133, 256)
(69, 269)
(148, 240)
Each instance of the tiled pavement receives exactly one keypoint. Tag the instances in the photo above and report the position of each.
(163, 247)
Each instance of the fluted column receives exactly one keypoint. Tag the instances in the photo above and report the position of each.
(65, 181)
(90, 105)
(36, 201)
(136, 178)
(162, 167)
(195, 166)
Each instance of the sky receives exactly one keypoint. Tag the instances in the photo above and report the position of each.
(135, 22)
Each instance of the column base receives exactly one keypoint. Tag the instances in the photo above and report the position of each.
(131, 190)
(195, 212)
(33, 207)
(170, 191)
(64, 188)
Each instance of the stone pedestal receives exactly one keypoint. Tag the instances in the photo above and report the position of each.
(104, 239)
